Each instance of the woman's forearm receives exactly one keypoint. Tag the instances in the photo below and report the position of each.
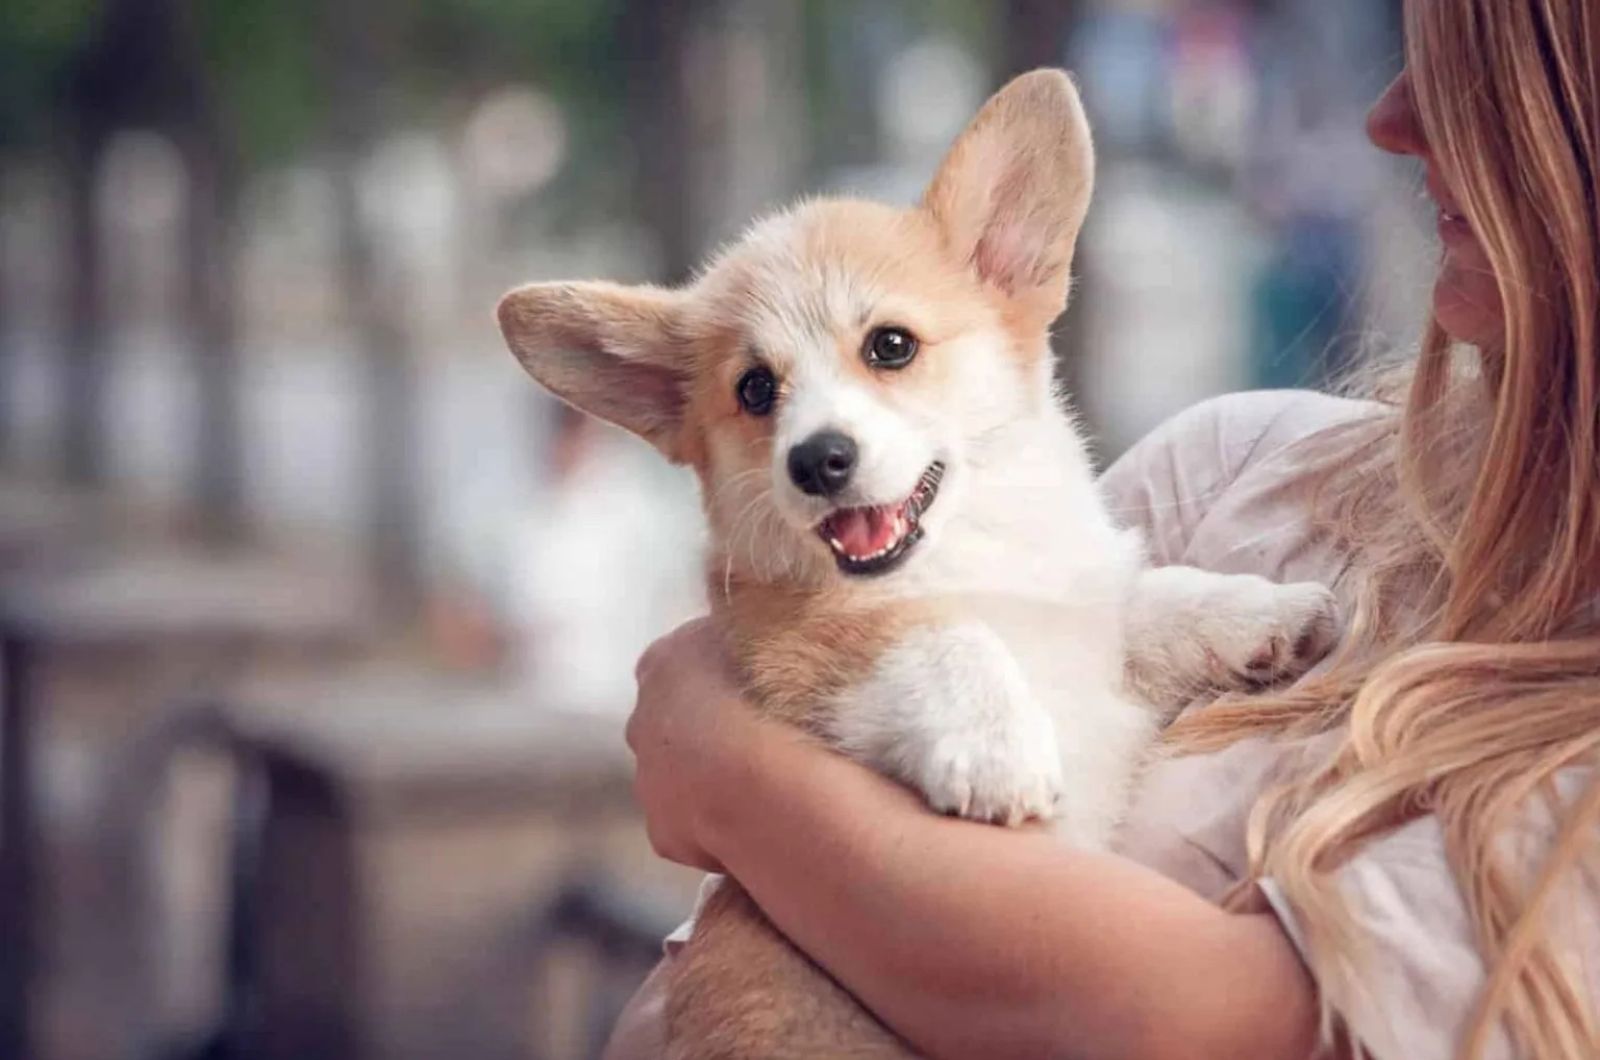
(971, 940)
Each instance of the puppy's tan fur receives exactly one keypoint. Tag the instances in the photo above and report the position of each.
(739, 989)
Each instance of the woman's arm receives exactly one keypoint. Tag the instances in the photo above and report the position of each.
(969, 940)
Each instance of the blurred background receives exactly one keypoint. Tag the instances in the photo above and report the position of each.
(318, 619)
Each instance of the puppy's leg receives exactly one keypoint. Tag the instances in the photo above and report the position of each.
(741, 991)
(948, 710)
(1191, 633)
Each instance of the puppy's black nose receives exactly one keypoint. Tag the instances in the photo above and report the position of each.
(823, 463)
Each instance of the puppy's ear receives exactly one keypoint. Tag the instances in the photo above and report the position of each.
(613, 351)
(1011, 195)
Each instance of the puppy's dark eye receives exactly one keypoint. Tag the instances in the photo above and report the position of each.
(889, 347)
(758, 391)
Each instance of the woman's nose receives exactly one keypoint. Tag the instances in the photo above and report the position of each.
(1392, 123)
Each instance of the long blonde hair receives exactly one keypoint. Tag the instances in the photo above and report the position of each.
(1470, 675)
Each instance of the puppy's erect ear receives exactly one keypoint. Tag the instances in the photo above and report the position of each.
(611, 350)
(1011, 195)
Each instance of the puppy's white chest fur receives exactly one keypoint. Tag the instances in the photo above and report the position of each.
(1007, 703)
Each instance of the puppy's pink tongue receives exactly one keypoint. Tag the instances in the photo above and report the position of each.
(863, 531)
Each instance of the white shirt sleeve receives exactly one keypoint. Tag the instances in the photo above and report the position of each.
(1419, 976)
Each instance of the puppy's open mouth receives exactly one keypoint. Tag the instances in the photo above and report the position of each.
(876, 540)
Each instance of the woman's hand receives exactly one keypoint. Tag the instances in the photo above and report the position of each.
(692, 733)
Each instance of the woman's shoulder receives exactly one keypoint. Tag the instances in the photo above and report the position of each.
(1225, 434)
(1188, 470)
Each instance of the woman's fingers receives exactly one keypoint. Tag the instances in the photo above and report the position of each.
(685, 725)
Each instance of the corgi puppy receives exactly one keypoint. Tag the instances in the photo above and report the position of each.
(908, 551)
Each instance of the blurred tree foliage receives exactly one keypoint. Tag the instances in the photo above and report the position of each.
(38, 40)
(562, 44)
(429, 54)
(263, 63)
(261, 56)
(456, 49)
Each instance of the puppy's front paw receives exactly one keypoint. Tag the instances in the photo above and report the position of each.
(1006, 771)
(950, 712)
(1274, 633)
(1193, 634)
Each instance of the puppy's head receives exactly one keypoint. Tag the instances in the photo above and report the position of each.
(834, 375)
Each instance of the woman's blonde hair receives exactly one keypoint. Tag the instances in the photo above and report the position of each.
(1470, 676)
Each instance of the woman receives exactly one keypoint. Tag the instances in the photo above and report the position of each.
(1399, 855)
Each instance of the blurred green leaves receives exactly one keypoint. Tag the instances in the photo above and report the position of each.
(259, 59)
(38, 39)
(565, 47)
(263, 63)
(266, 69)
(558, 42)
(268, 61)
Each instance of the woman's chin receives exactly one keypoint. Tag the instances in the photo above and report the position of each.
(1466, 303)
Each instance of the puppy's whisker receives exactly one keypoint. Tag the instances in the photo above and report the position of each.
(736, 482)
(743, 527)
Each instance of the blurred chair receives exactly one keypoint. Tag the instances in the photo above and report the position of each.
(96, 644)
(619, 931)
(428, 867)
(39, 524)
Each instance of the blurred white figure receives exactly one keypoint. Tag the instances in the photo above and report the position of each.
(611, 559)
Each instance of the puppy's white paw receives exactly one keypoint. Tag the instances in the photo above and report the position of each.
(1006, 771)
(1273, 633)
(1193, 634)
(948, 711)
